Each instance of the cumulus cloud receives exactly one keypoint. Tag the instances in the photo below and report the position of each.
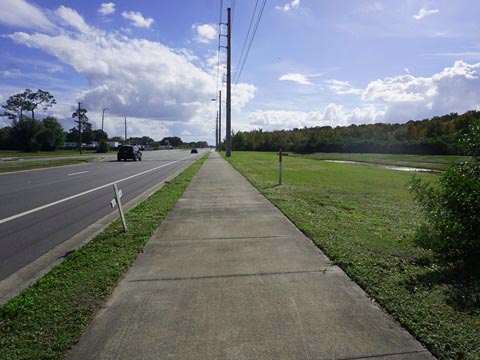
(297, 78)
(205, 33)
(293, 5)
(332, 115)
(454, 89)
(342, 87)
(136, 19)
(107, 8)
(425, 11)
(22, 14)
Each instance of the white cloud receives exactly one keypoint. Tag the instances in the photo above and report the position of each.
(297, 78)
(205, 33)
(22, 14)
(71, 18)
(425, 11)
(454, 89)
(107, 8)
(332, 115)
(137, 19)
(293, 5)
(342, 87)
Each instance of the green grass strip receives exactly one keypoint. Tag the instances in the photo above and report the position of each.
(43, 321)
(364, 219)
(31, 165)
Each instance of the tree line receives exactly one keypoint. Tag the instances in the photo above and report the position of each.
(435, 136)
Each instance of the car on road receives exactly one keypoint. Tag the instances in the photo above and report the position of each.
(126, 152)
(194, 151)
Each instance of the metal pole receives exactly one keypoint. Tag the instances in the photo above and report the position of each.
(80, 119)
(103, 115)
(220, 120)
(120, 209)
(280, 153)
(125, 131)
(216, 132)
(229, 108)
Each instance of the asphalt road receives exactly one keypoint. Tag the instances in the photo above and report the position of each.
(41, 209)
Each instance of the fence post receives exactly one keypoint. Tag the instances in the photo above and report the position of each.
(280, 153)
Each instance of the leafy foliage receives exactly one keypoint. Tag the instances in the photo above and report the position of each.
(453, 207)
(434, 136)
(102, 147)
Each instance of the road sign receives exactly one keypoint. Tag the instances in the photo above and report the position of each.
(116, 201)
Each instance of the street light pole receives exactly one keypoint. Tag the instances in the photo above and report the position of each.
(103, 115)
(229, 80)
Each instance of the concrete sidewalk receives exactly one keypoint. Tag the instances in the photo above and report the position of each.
(227, 276)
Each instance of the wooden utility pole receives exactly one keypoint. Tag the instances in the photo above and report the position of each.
(229, 80)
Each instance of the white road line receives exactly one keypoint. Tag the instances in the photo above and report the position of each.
(31, 211)
(78, 173)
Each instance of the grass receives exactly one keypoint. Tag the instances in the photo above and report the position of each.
(364, 219)
(16, 153)
(30, 165)
(433, 162)
(43, 321)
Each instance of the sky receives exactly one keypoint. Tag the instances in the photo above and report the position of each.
(311, 63)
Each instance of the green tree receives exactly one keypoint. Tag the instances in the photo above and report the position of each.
(51, 137)
(40, 98)
(452, 207)
(16, 104)
(25, 133)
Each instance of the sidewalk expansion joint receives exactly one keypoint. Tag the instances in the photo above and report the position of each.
(214, 217)
(382, 356)
(235, 275)
(226, 238)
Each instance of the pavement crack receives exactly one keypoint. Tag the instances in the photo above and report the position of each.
(225, 238)
(384, 355)
(232, 275)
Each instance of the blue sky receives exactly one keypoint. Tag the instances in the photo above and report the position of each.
(312, 62)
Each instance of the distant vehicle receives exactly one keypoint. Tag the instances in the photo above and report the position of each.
(194, 151)
(126, 152)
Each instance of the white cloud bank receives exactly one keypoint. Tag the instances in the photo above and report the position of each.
(20, 13)
(297, 78)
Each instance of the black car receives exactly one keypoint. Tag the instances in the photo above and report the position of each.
(126, 152)
(194, 151)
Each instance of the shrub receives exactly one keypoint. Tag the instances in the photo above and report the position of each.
(102, 147)
(453, 207)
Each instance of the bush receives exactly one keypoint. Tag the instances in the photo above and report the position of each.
(453, 208)
(103, 147)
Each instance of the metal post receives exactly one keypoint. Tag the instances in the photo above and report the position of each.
(125, 131)
(220, 120)
(280, 153)
(118, 195)
(80, 120)
(229, 108)
(216, 132)
(103, 115)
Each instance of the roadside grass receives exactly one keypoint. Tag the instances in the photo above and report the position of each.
(364, 219)
(21, 154)
(31, 165)
(43, 321)
(434, 162)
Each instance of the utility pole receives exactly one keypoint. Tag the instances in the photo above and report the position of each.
(229, 108)
(103, 115)
(219, 148)
(216, 132)
(80, 120)
(125, 130)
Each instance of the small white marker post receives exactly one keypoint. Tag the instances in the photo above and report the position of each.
(118, 196)
(280, 153)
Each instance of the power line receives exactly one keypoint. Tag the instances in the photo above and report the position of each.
(259, 17)
(248, 33)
